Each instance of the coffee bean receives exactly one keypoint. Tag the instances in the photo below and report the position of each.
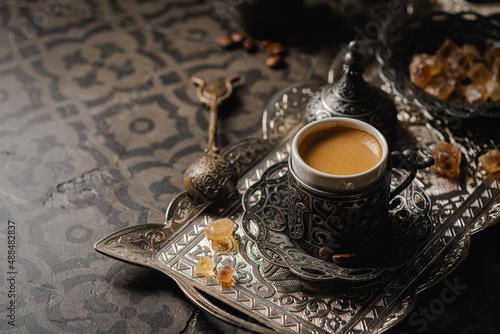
(275, 49)
(237, 37)
(274, 61)
(326, 253)
(225, 41)
(346, 258)
(249, 44)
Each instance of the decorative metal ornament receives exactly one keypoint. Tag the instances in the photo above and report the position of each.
(212, 177)
(353, 97)
(405, 229)
(320, 219)
(354, 221)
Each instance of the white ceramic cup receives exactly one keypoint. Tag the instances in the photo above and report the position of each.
(337, 183)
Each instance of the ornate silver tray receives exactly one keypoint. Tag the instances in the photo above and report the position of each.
(272, 297)
(264, 223)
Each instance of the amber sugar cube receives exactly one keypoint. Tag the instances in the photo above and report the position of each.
(446, 49)
(420, 71)
(205, 267)
(225, 275)
(491, 54)
(491, 161)
(456, 74)
(220, 231)
(459, 58)
(475, 93)
(471, 50)
(493, 90)
(432, 62)
(447, 157)
(440, 87)
(495, 70)
(479, 73)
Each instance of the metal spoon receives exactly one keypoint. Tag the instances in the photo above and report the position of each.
(211, 177)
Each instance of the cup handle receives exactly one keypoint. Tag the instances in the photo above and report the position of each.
(408, 159)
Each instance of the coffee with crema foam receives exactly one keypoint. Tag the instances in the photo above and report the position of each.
(340, 150)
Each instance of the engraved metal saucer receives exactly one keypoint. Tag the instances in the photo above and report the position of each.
(264, 221)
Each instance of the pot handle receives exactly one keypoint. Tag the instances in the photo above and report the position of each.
(408, 160)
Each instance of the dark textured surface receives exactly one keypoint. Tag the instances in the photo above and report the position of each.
(473, 305)
(98, 120)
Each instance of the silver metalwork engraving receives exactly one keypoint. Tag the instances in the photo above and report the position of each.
(353, 97)
(275, 296)
(408, 225)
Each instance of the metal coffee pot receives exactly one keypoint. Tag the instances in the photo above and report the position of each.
(353, 97)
